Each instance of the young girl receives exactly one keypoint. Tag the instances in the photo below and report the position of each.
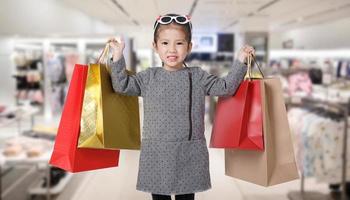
(174, 155)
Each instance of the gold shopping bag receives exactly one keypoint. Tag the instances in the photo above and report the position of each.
(109, 120)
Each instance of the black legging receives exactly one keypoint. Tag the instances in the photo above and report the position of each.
(177, 197)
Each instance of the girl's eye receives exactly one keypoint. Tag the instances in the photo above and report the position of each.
(164, 43)
(180, 43)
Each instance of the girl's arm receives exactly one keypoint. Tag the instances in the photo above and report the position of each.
(134, 85)
(225, 86)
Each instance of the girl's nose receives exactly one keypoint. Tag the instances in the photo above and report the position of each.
(172, 48)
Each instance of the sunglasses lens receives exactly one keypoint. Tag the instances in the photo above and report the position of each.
(165, 19)
(181, 19)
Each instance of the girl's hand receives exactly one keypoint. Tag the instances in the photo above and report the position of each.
(244, 53)
(117, 47)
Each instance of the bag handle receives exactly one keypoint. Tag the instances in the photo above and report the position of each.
(103, 54)
(102, 59)
(251, 58)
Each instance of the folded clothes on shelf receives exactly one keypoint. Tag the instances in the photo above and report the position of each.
(26, 147)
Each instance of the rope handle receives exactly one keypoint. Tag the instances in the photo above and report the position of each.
(103, 54)
(251, 58)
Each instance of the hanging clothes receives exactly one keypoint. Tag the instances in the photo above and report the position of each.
(56, 69)
(57, 75)
(299, 82)
(319, 144)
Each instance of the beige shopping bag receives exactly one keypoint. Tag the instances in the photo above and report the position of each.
(276, 164)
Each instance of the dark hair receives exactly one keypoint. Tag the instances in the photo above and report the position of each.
(186, 28)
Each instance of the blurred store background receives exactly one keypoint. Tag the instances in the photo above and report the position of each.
(304, 42)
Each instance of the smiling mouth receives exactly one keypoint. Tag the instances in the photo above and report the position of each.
(172, 58)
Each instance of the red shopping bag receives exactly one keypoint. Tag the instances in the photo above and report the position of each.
(66, 155)
(238, 119)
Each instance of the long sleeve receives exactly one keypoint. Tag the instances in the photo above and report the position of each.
(225, 86)
(133, 85)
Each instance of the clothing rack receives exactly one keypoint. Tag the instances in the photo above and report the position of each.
(341, 108)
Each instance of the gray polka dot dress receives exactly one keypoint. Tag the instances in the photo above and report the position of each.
(174, 157)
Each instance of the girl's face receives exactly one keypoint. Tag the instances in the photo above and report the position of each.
(172, 47)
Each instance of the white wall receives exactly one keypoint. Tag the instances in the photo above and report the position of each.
(331, 35)
(46, 18)
(51, 18)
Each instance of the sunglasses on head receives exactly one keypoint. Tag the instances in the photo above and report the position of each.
(166, 19)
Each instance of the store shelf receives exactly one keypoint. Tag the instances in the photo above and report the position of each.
(38, 189)
(20, 113)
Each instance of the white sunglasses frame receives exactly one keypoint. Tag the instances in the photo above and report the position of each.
(173, 18)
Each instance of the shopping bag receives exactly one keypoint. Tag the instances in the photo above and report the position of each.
(276, 164)
(238, 119)
(109, 120)
(65, 154)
